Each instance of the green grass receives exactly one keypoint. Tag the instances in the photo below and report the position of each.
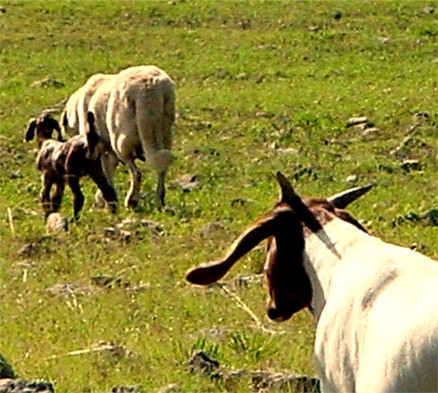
(249, 74)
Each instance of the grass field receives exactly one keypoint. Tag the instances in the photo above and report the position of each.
(262, 86)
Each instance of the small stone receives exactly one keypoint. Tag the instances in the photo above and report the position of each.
(173, 387)
(22, 386)
(48, 82)
(411, 165)
(372, 131)
(352, 179)
(211, 227)
(126, 389)
(15, 174)
(201, 362)
(56, 222)
(383, 40)
(337, 15)
(428, 10)
(353, 121)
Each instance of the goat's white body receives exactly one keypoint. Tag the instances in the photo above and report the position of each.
(376, 309)
(76, 109)
(140, 116)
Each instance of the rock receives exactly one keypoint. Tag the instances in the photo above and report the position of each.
(207, 151)
(56, 222)
(284, 150)
(27, 250)
(337, 15)
(116, 233)
(428, 10)
(67, 290)
(106, 281)
(22, 386)
(126, 389)
(372, 131)
(241, 202)
(285, 382)
(352, 179)
(15, 175)
(421, 117)
(383, 40)
(411, 165)
(48, 82)
(135, 224)
(186, 183)
(173, 387)
(354, 121)
(246, 280)
(212, 227)
(201, 362)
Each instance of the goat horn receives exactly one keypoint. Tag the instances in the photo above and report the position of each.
(343, 199)
(214, 271)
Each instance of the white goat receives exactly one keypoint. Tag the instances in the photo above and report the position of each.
(375, 304)
(73, 117)
(135, 112)
(140, 116)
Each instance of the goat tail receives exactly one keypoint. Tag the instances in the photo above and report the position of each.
(154, 130)
(160, 160)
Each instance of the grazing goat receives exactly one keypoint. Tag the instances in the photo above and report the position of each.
(140, 116)
(375, 304)
(67, 162)
(135, 112)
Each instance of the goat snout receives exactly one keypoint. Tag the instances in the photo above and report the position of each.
(282, 312)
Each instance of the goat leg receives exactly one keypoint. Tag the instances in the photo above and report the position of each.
(161, 190)
(108, 192)
(46, 202)
(78, 197)
(57, 196)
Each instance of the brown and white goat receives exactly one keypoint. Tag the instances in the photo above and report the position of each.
(375, 304)
(66, 162)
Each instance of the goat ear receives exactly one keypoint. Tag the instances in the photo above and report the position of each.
(343, 199)
(90, 118)
(92, 135)
(55, 125)
(30, 133)
(214, 271)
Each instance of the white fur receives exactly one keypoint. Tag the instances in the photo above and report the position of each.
(73, 118)
(134, 112)
(140, 116)
(376, 310)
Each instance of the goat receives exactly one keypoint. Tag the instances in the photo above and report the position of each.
(135, 112)
(374, 304)
(140, 116)
(66, 162)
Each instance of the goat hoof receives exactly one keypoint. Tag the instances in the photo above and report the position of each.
(131, 204)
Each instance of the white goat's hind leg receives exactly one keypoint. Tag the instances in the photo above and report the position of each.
(109, 164)
(133, 196)
(161, 190)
